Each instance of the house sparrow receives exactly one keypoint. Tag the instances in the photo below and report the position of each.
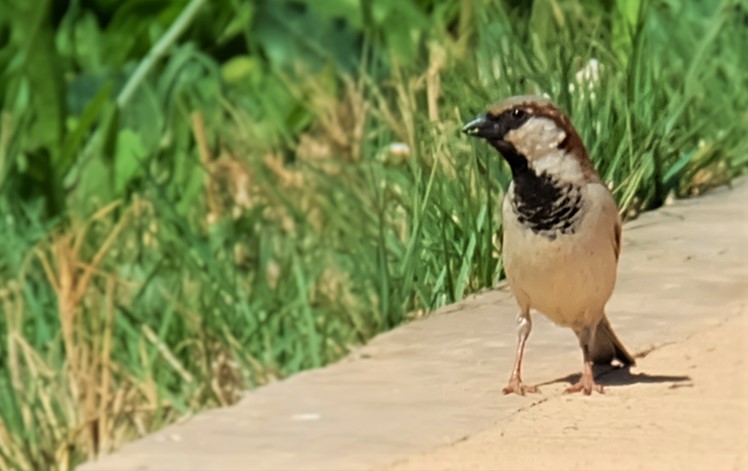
(562, 231)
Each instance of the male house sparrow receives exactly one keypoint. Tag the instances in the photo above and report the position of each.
(562, 232)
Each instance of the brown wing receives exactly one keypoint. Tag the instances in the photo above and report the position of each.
(617, 237)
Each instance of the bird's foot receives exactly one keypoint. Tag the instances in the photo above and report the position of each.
(586, 384)
(516, 386)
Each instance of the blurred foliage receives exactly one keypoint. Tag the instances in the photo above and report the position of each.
(198, 197)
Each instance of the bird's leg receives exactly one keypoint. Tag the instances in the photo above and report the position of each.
(587, 382)
(524, 326)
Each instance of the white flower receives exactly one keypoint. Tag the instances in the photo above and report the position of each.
(589, 74)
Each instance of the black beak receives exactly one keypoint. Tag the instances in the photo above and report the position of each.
(484, 127)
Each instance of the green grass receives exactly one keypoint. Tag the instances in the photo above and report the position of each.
(145, 276)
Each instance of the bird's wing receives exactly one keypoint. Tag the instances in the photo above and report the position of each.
(617, 237)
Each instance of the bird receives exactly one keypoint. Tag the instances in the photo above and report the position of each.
(561, 231)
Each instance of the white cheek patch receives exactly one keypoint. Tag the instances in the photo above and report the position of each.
(536, 137)
(538, 140)
(559, 165)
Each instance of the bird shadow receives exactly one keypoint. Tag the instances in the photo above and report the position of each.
(621, 376)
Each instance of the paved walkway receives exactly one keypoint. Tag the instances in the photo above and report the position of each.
(437, 381)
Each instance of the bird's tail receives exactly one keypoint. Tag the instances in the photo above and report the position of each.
(606, 346)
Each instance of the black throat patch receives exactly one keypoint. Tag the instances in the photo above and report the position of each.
(546, 206)
(542, 203)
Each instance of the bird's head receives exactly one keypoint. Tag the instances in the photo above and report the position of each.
(532, 133)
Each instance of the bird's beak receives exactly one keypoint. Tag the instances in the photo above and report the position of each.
(484, 128)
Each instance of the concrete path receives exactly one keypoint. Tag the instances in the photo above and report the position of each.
(426, 386)
(697, 424)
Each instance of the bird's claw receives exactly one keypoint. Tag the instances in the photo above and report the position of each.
(585, 385)
(516, 386)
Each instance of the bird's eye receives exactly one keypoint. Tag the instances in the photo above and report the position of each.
(518, 113)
